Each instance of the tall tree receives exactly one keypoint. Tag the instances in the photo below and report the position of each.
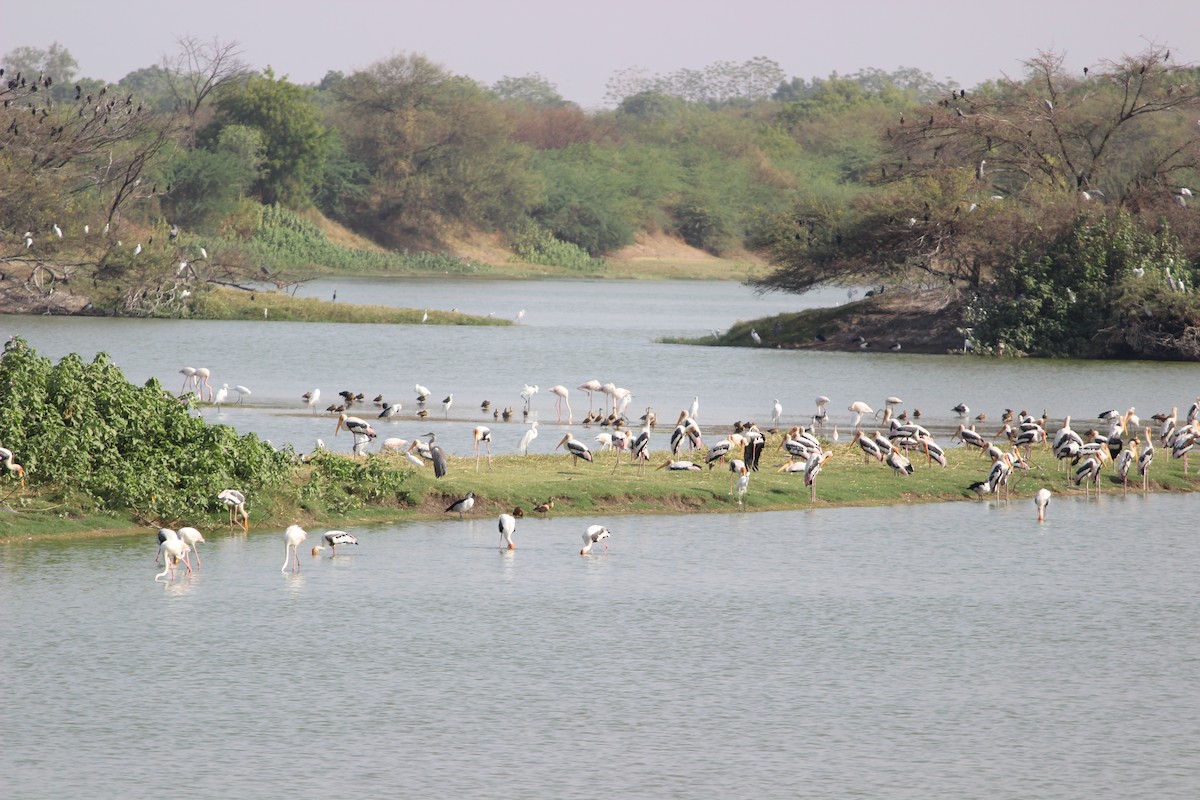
(197, 70)
(294, 141)
(969, 179)
(439, 150)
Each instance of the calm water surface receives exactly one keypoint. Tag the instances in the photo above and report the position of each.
(574, 331)
(954, 650)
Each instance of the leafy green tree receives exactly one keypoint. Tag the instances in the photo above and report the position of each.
(34, 65)
(532, 90)
(439, 150)
(295, 143)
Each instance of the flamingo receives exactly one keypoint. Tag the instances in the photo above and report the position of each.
(189, 376)
(163, 535)
(594, 533)
(292, 538)
(235, 501)
(201, 379)
(462, 505)
(191, 537)
(6, 457)
(590, 386)
(173, 551)
(858, 408)
(822, 413)
(507, 526)
(333, 539)
(1041, 500)
(563, 394)
(527, 439)
(527, 394)
(483, 434)
(312, 398)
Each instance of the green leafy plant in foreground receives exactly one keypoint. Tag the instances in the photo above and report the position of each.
(120, 446)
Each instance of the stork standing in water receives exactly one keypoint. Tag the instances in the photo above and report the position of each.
(359, 429)
(507, 526)
(562, 394)
(292, 538)
(333, 539)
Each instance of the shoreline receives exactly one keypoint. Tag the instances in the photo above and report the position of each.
(846, 482)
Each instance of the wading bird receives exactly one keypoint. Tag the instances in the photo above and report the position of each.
(527, 439)
(191, 537)
(173, 550)
(483, 434)
(462, 505)
(6, 457)
(576, 448)
(507, 526)
(527, 394)
(235, 501)
(333, 539)
(312, 399)
(562, 394)
(1041, 500)
(292, 538)
(594, 533)
(359, 429)
(590, 386)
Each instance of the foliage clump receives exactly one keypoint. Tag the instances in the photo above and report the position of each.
(121, 446)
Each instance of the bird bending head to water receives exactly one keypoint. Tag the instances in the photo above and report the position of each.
(594, 533)
(507, 526)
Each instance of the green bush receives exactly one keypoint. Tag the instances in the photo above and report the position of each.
(124, 447)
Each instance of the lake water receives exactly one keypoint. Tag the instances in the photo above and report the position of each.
(573, 331)
(952, 650)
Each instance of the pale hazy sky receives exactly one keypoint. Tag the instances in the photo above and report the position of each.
(578, 46)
